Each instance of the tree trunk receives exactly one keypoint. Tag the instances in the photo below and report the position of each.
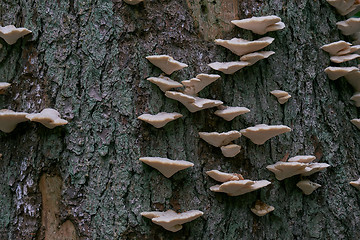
(87, 60)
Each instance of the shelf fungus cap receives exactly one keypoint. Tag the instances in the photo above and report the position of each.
(302, 159)
(9, 119)
(164, 83)
(356, 183)
(260, 25)
(356, 122)
(307, 186)
(354, 79)
(284, 170)
(48, 117)
(166, 63)
(350, 26)
(236, 188)
(230, 150)
(356, 99)
(133, 2)
(336, 47)
(11, 34)
(313, 168)
(195, 85)
(261, 209)
(161, 119)
(166, 166)
(229, 113)
(219, 139)
(170, 220)
(241, 46)
(3, 87)
(281, 96)
(337, 72)
(193, 104)
(259, 134)
(224, 177)
(252, 58)
(344, 58)
(228, 67)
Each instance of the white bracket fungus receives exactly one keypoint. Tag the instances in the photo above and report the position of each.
(166, 63)
(252, 58)
(133, 2)
(219, 139)
(164, 83)
(228, 67)
(336, 47)
(170, 220)
(354, 79)
(166, 166)
(356, 183)
(235, 187)
(281, 96)
(344, 58)
(241, 46)
(195, 85)
(337, 72)
(9, 119)
(345, 6)
(260, 133)
(224, 177)
(48, 117)
(229, 113)
(3, 87)
(11, 34)
(356, 99)
(356, 122)
(350, 26)
(230, 150)
(297, 165)
(260, 25)
(261, 209)
(161, 119)
(307, 186)
(193, 104)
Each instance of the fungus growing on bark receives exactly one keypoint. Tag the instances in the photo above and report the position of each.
(9, 119)
(337, 72)
(241, 46)
(260, 133)
(354, 79)
(193, 104)
(229, 113)
(228, 67)
(345, 6)
(170, 220)
(166, 63)
(356, 122)
(133, 2)
(252, 58)
(298, 165)
(350, 26)
(164, 83)
(261, 209)
(48, 117)
(356, 99)
(356, 183)
(166, 166)
(230, 150)
(219, 139)
(336, 47)
(260, 25)
(3, 87)
(281, 96)
(195, 85)
(161, 119)
(344, 58)
(307, 186)
(11, 34)
(234, 187)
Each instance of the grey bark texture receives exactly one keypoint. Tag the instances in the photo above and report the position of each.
(87, 60)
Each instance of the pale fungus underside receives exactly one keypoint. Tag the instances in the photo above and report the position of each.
(259, 134)
(166, 166)
(166, 63)
(307, 186)
(260, 25)
(161, 119)
(48, 117)
(261, 209)
(11, 34)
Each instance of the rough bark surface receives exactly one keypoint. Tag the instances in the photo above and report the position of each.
(87, 60)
